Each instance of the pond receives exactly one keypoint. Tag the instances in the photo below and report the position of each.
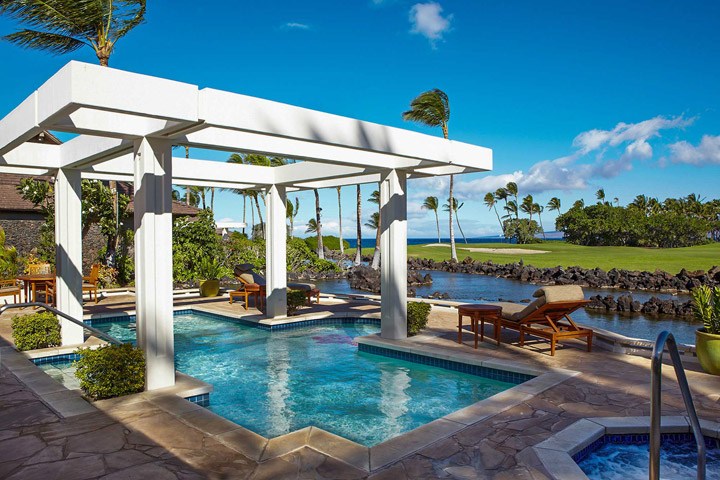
(464, 287)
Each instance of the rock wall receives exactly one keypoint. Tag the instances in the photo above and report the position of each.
(367, 279)
(654, 306)
(597, 278)
(24, 235)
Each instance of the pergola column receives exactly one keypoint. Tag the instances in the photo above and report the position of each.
(68, 252)
(153, 259)
(276, 252)
(393, 248)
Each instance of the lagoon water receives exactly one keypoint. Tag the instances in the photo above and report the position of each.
(470, 288)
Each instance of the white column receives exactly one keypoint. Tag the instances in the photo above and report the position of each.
(68, 252)
(153, 259)
(276, 252)
(393, 248)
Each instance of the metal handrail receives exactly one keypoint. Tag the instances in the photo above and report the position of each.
(667, 338)
(98, 333)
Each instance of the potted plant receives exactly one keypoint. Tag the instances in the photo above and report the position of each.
(209, 271)
(706, 308)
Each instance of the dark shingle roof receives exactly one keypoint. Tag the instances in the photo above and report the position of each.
(12, 201)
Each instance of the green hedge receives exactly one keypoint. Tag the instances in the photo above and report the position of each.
(417, 316)
(329, 241)
(39, 330)
(295, 300)
(111, 371)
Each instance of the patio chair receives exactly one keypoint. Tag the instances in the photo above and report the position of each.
(548, 316)
(12, 287)
(246, 274)
(90, 283)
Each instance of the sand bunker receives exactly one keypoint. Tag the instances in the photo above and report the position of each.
(506, 251)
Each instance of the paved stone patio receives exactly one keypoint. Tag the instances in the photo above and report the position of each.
(147, 437)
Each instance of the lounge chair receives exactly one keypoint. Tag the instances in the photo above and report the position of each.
(548, 316)
(90, 283)
(246, 274)
(10, 287)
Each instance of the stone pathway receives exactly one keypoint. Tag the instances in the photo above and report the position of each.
(139, 439)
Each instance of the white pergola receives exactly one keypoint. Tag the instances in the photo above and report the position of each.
(127, 125)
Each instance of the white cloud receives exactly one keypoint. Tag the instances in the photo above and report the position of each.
(571, 173)
(707, 152)
(427, 20)
(296, 26)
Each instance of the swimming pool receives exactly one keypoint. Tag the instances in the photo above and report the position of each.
(629, 460)
(276, 382)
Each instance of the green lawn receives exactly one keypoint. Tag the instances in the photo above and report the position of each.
(560, 253)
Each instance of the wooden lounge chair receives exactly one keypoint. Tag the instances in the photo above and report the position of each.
(90, 283)
(246, 274)
(548, 316)
(10, 287)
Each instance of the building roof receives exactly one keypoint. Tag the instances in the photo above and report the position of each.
(12, 201)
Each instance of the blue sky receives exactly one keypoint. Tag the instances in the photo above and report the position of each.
(570, 95)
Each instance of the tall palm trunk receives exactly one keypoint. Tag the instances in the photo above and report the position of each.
(376, 254)
(502, 227)
(358, 248)
(342, 247)
(457, 219)
(453, 250)
(212, 198)
(260, 217)
(320, 247)
(244, 211)
(437, 224)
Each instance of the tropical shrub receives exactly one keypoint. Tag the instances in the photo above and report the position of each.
(111, 371)
(417, 317)
(209, 269)
(193, 240)
(39, 330)
(300, 257)
(8, 259)
(240, 249)
(706, 307)
(331, 242)
(295, 300)
(522, 230)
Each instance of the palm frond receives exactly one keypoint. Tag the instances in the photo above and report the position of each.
(431, 108)
(55, 43)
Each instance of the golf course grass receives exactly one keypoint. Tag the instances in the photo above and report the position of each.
(671, 260)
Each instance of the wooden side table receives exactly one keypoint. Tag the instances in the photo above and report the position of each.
(479, 314)
(243, 293)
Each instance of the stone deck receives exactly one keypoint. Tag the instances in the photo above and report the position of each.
(161, 436)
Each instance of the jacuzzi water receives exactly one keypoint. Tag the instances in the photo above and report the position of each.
(276, 382)
(678, 461)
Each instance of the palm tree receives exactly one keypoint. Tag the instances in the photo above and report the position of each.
(431, 203)
(375, 198)
(456, 207)
(511, 208)
(491, 202)
(251, 159)
(554, 204)
(358, 226)
(579, 203)
(342, 247)
(374, 221)
(63, 26)
(537, 208)
(432, 108)
(291, 211)
(512, 189)
(600, 194)
(527, 206)
(318, 225)
(312, 226)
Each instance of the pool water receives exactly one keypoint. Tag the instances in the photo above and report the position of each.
(678, 461)
(276, 382)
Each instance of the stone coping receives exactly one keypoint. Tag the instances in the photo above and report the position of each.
(556, 453)
(172, 400)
